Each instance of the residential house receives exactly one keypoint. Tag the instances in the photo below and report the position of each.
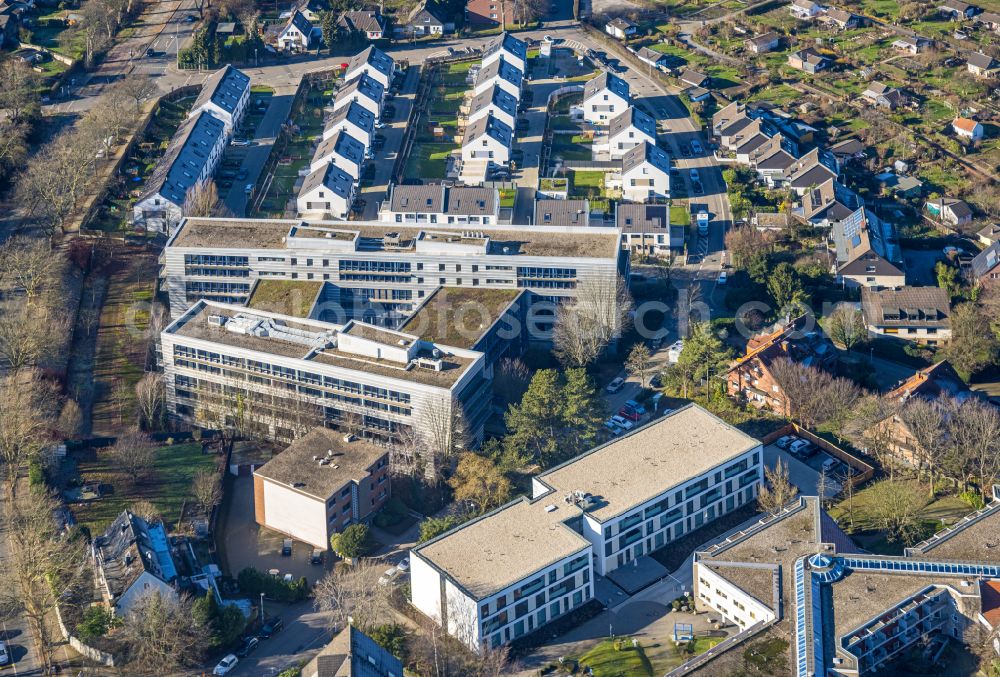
(374, 63)
(369, 23)
(693, 78)
(840, 19)
(530, 562)
(434, 204)
(882, 95)
(989, 234)
(499, 73)
(628, 129)
(297, 34)
(352, 653)
(912, 44)
(487, 141)
(10, 24)
(605, 97)
(697, 94)
(319, 485)
(225, 95)
(356, 120)
(761, 44)
(509, 48)
(645, 173)
(900, 186)
(550, 212)
(364, 91)
(494, 101)
(985, 268)
(867, 252)
(620, 28)
(752, 378)
(848, 151)
(812, 169)
(343, 150)
(646, 228)
(989, 20)
(805, 9)
(956, 10)
(770, 160)
(809, 60)
(966, 128)
(484, 12)
(827, 203)
(918, 314)
(132, 559)
(191, 158)
(949, 210)
(982, 65)
(327, 193)
(367, 380)
(427, 18)
(653, 58)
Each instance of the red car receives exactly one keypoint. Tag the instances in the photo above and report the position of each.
(629, 413)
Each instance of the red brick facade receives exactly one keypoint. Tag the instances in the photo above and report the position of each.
(484, 12)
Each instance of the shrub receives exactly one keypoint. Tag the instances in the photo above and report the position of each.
(393, 513)
(973, 499)
(354, 541)
(97, 620)
(254, 582)
(36, 473)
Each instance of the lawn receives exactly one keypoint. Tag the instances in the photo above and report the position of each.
(617, 658)
(53, 33)
(935, 514)
(507, 196)
(429, 160)
(168, 486)
(680, 215)
(572, 147)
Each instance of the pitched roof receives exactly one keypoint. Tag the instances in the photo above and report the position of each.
(562, 213)
(965, 124)
(838, 15)
(990, 232)
(130, 547)
(427, 199)
(988, 18)
(986, 261)
(645, 152)
(629, 117)
(929, 381)
(495, 96)
(362, 22)
(354, 113)
(647, 54)
(810, 56)
(374, 57)
(426, 14)
(960, 208)
(635, 217)
(300, 22)
(186, 157)
(981, 60)
(909, 306)
(765, 39)
(608, 81)
(501, 68)
(489, 126)
(508, 43)
(224, 88)
(344, 145)
(619, 22)
(332, 177)
(847, 147)
(365, 85)
(859, 246)
(470, 200)
(693, 78)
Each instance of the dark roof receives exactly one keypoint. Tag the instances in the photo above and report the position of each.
(909, 306)
(426, 14)
(418, 199)
(508, 43)
(929, 382)
(470, 200)
(632, 116)
(608, 81)
(500, 98)
(765, 39)
(439, 199)
(810, 55)
(224, 88)
(645, 152)
(990, 232)
(647, 54)
(694, 78)
(366, 85)
(301, 23)
(860, 247)
(489, 126)
(130, 547)
(502, 68)
(362, 22)
(344, 145)
(374, 57)
(562, 213)
(960, 208)
(185, 158)
(355, 113)
(847, 147)
(982, 60)
(634, 217)
(838, 15)
(986, 261)
(333, 177)
(619, 22)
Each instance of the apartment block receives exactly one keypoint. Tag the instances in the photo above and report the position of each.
(379, 268)
(521, 566)
(280, 376)
(321, 484)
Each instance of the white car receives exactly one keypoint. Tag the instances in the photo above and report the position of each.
(549, 39)
(404, 564)
(4, 654)
(615, 385)
(226, 665)
(622, 422)
(674, 351)
(612, 428)
(388, 577)
(722, 277)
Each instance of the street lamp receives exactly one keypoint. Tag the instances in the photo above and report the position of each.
(262, 608)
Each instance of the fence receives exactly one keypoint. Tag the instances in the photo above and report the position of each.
(90, 652)
(865, 470)
(61, 58)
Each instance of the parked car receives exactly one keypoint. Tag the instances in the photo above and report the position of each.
(247, 647)
(802, 448)
(616, 385)
(272, 627)
(317, 557)
(622, 422)
(697, 188)
(629, 413)
(635, 405)
(404, 565)
(4, 654)
(190, 18)
(612, 428)
(674, 351)
(786, 441)
(696, 147)
(722, 277)
(829, 465)
(388, 577)
(286, 548)
(695, 176)
(240, 142)
(226, 665)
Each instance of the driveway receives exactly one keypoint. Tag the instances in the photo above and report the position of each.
(803, 475)
(305, 632)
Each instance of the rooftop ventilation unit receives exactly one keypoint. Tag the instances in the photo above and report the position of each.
(217, 320)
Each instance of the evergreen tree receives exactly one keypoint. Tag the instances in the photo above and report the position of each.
(583, 412)
(533, 425)
(785, 286)
(328, 27)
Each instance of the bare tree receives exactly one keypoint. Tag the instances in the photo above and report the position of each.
(354, 591)
(894, 507)
(25, 417)
(133, 454)
(42, 563)
(161, 636)
(926, 422)
(777, 489)
(149, 398)
(18, 89)
(847, 326)
(29, 263)
(55, 179)
(70, 423)
(812, 395)
(146, 511)
(586, 326)
(974, 431)
(202, 199)
(871, 429)
(121, 395)
(575, 344)
(745, 242)
(640, 363)
(207, 490)
(22, 341)
(137, 89)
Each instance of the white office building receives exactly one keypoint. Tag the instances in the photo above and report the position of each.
(521, 566)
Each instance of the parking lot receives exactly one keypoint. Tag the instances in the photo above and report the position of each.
(804, 473)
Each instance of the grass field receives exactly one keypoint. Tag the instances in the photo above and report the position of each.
(429, 160)
(52, 33)
(168, 486)
(608, 661)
